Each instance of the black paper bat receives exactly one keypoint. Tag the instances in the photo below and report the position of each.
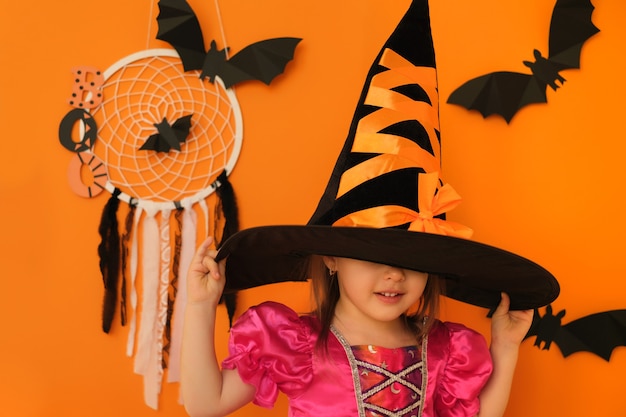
(168, 136)
(262, 61)
(505, 92)
(598, 333)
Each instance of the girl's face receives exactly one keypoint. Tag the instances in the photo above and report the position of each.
(370, 291)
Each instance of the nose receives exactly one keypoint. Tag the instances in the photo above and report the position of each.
(394, 274)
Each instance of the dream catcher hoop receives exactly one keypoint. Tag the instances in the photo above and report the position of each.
(140, 91)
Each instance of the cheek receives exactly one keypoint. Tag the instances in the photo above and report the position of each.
(418, 283)
(418, 290)
(347, 289)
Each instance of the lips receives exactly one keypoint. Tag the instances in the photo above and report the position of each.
(389, 296)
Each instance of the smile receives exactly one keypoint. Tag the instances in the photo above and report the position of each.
(389, 297)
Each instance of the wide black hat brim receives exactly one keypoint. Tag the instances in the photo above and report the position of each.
(474, 273)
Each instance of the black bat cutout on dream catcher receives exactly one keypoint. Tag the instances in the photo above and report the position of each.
(168, 136)
(261, 61)
(506, 92)
(598, 333)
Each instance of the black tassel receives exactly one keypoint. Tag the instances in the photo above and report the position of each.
(128, 224)
(230, 301)
(227, 209)
(109, 252)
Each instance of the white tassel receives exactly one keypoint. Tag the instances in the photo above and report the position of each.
(144, 356)
(205, 211)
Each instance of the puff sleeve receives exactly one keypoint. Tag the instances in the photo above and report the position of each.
(271, 348)
(463, 372)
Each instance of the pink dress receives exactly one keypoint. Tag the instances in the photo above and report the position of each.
(273, 349)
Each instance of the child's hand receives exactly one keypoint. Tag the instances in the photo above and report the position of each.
(205, 280)
(508, 328)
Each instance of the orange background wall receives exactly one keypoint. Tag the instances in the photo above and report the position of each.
(548, 186)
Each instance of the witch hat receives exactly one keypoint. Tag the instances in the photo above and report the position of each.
(385, 201)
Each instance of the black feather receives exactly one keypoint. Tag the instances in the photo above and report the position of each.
(109, 252)
(128, 225)
(228, 212)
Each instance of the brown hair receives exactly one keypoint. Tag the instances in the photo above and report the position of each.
(326, 294)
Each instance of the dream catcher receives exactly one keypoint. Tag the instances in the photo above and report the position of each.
(161, 134)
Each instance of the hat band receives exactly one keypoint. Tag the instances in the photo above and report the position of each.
(431, 203)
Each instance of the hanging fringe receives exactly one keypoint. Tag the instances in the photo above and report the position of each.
(173, 287)
(155, 376)
(227, 207)
(189, 231)
(147, 362)
(128, 226)
(134, 265)
(230, 301)
(226, 212)
(109, 253)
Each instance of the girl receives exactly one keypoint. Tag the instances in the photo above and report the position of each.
(366, 330)
(379, 251)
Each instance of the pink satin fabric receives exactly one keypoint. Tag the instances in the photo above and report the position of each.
(273, 349)
(390, 378)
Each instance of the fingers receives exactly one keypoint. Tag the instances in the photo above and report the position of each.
(211, 265)
(505, 303)
(202, 250)
(203, 261)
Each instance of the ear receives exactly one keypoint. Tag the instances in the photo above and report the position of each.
(330, 262)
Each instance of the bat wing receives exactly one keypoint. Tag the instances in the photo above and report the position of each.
(261, 61)
(598, 333)
(534, 326)
(156, 143)
(502, 93)
(179, 26)
(181, 128)
(168, 137)
(570, 28)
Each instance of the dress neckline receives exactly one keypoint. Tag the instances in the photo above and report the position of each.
(345, 342)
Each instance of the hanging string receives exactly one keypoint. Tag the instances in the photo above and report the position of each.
(219, 19)
(150, 19)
